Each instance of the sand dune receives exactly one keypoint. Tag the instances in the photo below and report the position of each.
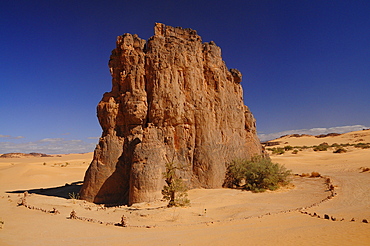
(308, 140)
(288, 216)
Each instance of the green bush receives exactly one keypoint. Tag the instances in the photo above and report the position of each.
(175, 190)
(278, 151)
(295, 151)
(362, 145)
(321, 147)
(257, 175)
(335, 145)
(288, 147)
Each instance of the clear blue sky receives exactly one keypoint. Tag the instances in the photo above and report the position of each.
(305, 64)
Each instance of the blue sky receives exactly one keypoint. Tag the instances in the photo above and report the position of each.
(305, 64)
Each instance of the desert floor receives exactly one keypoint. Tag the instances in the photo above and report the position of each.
(290, 216)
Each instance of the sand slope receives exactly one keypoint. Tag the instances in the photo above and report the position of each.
(216, 217)
(308, 140)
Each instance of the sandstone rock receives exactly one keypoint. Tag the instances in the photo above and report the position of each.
(172, 99)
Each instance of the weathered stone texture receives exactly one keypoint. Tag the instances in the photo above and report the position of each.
(172, 99)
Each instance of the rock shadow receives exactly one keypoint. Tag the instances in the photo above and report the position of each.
(60, 191)
(115, 189)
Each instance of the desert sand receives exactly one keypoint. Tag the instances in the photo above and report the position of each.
(293, 215)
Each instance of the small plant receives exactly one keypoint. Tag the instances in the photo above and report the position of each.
(257, 175)
(2, 224)
(74, 196)
(175, 190)
(175, 216)
(64, 165)
(295, 151)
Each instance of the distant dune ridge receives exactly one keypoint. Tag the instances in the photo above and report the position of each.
(172, 100)
(19, 155)
(362, 136)
(312, 131)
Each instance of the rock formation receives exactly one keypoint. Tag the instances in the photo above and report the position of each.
(172, 99)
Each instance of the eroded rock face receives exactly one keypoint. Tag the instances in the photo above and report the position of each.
(172, 99)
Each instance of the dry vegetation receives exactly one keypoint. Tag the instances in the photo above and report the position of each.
(175, 190)
(336, 148)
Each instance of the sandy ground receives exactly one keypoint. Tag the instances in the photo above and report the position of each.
(290, 216)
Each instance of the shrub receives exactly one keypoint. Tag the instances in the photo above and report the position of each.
(278, 151)
(257, 175)
(295, 151)
(362, 145)
(335, 145)
(175, 191)
(74, 196)
(321, 147)
(288, 147)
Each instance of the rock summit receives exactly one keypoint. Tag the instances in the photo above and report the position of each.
(172, 100)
